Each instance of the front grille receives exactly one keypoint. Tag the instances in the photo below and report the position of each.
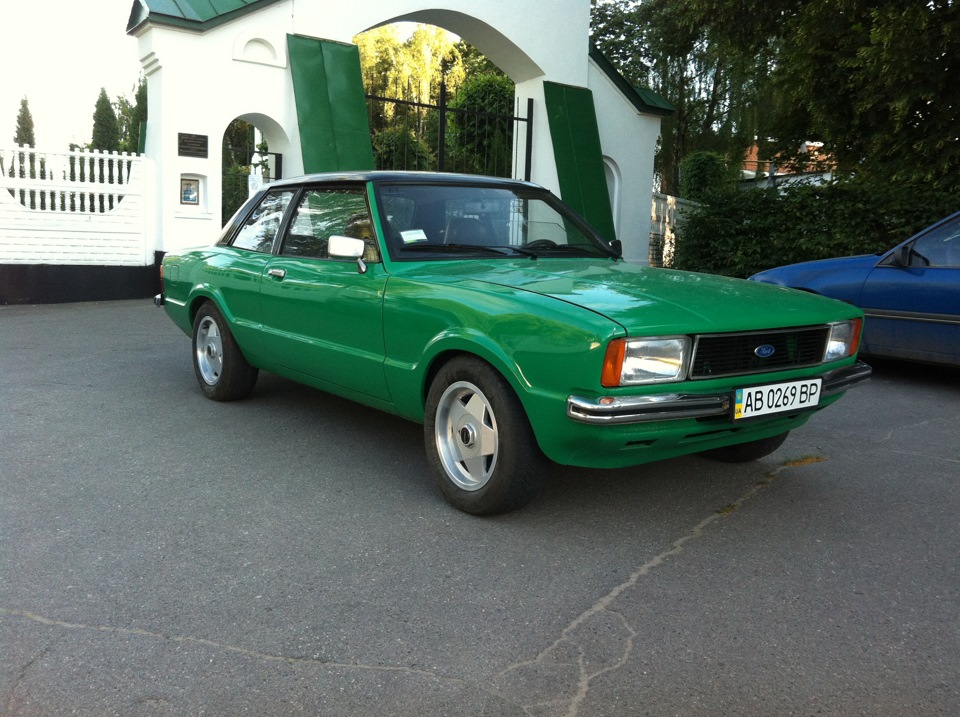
(736, 354)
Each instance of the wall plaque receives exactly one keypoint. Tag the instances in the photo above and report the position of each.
(192, 145)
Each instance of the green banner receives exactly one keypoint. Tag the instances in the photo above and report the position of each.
(331, 106)
(579, 156)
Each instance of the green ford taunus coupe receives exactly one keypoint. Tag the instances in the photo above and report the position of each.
(490, 312)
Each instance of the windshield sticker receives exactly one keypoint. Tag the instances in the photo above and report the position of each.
(412, 236)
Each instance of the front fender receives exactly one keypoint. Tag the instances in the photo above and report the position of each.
(542, 346)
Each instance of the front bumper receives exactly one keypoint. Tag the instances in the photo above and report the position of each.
(610, 410)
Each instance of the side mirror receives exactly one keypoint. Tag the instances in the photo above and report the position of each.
(901, 256)
(343, 247)
(617, 246)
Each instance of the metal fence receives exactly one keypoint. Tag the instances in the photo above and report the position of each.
(409, 135)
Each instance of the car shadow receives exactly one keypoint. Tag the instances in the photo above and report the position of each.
(914, 372)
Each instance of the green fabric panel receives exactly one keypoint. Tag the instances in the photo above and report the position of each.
(331, 105)
(578, 154)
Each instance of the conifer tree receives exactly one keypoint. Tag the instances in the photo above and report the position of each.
(24, 134)
(106, 129)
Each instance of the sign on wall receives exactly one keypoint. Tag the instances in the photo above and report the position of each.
(192, 145)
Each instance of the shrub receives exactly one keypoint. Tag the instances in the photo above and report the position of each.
(398, 148)
(702, 173)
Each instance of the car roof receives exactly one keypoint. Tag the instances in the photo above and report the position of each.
(382, 177)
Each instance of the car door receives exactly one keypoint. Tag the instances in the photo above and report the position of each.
(322, 316)
(240, 264)
(912, 298)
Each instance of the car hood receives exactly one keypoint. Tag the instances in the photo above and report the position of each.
(644, 299)
(794, 274)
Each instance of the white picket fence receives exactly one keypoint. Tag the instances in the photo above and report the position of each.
(74, 208)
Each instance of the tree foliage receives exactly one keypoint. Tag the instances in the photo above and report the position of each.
(716, 91)
(238, 148)
(399, 148)
(106, 129)
(24, 135)
(410, 70)
(877, 85)
(874, 80)
(703, 173)
(131, 117)
(413, 70)
(481, 136)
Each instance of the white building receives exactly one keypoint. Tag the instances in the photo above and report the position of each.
(263, 61)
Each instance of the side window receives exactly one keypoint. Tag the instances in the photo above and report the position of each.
(940, 247)
(260, 230)
(322, 213)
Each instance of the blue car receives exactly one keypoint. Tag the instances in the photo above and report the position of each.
(910, 294)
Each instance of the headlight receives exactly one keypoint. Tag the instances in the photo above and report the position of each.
(630, 362)
(844, 340)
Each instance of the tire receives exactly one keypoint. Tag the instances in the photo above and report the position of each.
(222, 371)
(746, 452)
(479, 443)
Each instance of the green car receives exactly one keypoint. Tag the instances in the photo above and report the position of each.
(491, 313)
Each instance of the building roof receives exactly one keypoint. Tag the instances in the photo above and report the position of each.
(190, 14)
(644, 99)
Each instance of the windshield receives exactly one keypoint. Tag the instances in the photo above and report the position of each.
(427, 221)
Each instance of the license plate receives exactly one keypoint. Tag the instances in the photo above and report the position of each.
(776, 398)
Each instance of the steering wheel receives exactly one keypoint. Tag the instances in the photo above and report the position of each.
(540, 244)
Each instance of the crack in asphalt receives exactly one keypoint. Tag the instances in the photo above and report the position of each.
(555, 683)
(575, 660)
(22, 675)
(256, 654)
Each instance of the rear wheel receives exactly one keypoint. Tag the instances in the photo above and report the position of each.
(746, 452)
(222, 371)
(479, 442)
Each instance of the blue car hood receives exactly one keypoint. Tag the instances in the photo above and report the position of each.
(789, 275)
(841, 278)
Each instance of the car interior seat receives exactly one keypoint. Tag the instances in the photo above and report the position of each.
(468, 230)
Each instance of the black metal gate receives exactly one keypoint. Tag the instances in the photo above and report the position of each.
(410, 135)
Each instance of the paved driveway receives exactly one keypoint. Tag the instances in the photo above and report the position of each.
(162, 554)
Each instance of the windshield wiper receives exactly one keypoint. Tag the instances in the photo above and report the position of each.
(461, 248)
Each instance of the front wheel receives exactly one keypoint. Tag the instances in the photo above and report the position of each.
(479, 443)
(222, 371)
(746, 452)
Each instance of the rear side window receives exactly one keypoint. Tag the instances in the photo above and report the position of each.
(259, 232)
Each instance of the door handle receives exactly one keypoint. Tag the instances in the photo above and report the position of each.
(279, 273)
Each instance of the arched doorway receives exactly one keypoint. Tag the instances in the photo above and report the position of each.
(250, 156)
(435, 103)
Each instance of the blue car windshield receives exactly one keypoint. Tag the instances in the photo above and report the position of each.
(427, 221)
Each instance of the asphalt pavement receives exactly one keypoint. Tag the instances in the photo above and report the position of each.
(163, 554)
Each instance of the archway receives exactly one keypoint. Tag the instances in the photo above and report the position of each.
(252, 147)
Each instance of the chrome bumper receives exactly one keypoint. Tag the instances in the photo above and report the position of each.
(158, 300)
(611, 410)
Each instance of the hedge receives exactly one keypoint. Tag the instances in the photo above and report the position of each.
(738, 233)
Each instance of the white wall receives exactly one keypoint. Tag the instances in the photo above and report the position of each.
(629, 141)
(68, 225)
